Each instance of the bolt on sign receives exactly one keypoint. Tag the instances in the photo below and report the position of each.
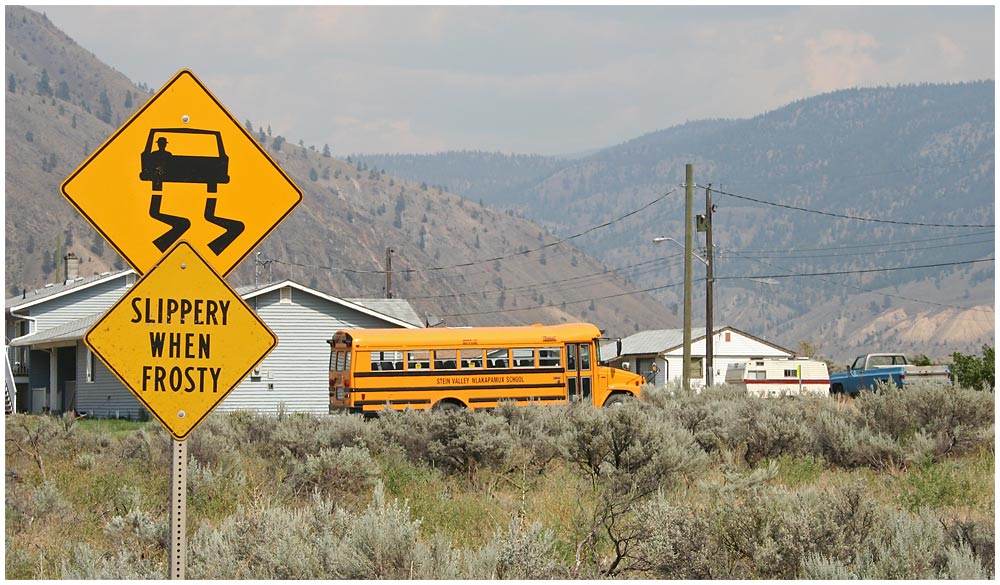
(181, 339)
(182, 167)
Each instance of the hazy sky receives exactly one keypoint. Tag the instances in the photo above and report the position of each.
(547, 80)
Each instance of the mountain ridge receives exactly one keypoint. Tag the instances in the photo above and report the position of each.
(919, 153)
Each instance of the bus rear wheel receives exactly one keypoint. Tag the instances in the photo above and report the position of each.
(448, 406)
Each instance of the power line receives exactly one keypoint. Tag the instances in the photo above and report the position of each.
(853, 217)
(917, 241)
(792, 273)
(548, 306)
(856, 271)
(487, 260)
(843, 178)
(720, 278)
(650, 265)
(871, 253)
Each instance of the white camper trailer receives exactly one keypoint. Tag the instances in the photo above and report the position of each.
(779, 376)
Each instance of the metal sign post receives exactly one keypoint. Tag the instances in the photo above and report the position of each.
(178, 509)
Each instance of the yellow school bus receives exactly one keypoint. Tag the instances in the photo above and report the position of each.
(476, 367)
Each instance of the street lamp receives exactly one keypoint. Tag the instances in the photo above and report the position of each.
(658, 240)
(709, 281)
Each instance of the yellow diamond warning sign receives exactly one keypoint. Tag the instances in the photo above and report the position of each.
(181, 339)
(182, 167)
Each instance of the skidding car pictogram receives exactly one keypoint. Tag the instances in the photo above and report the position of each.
(162, 166)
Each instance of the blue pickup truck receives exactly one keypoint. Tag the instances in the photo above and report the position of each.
(868, 371)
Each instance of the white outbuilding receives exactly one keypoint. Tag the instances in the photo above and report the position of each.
(659, 354)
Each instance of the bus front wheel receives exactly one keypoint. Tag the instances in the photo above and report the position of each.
(616, 400)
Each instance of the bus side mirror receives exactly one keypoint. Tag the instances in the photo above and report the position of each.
(618, 344)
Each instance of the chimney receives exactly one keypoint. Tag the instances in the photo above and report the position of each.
(72, 267)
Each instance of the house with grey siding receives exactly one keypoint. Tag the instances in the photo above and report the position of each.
(41, 328)
(295, 375)
(54, 371)
(665, 348)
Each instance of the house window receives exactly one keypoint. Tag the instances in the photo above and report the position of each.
(91, 365)
(727, 336)
(695, 371)
(286, 295)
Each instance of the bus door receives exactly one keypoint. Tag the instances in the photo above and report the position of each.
(578, 374)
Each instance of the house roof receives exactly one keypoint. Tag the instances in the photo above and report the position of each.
(396, 311)
(400, 309)
(68, 332)
(659, 341)
(51, 291)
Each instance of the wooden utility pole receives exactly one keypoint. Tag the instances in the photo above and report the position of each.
(688, 243)
(388, 273)
(709, 290)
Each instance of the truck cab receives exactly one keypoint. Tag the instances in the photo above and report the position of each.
(870, 370)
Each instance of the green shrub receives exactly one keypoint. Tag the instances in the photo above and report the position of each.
(978, 536)
(525, 551)
(626, 448)
(953, 416)
(456, 442)
(211, 443)
(901, 545)
(149, 446)
(141, 541)
(47, 500)
(214, 491)
(83, 562)
(841, 441)
(961, 562)
(303, 434)
(974, 372)
(379, 543)
(712, 418)
(265, 542)
(539, 434)
(316, 541)
(464, 441)
(334, 472)
(678, 542)
(776, 427)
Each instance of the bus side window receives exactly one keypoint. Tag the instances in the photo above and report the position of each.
(524, 357)
(549, 357)
(418, 359)
(444, 359)
(471, 358)
(497, 358)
